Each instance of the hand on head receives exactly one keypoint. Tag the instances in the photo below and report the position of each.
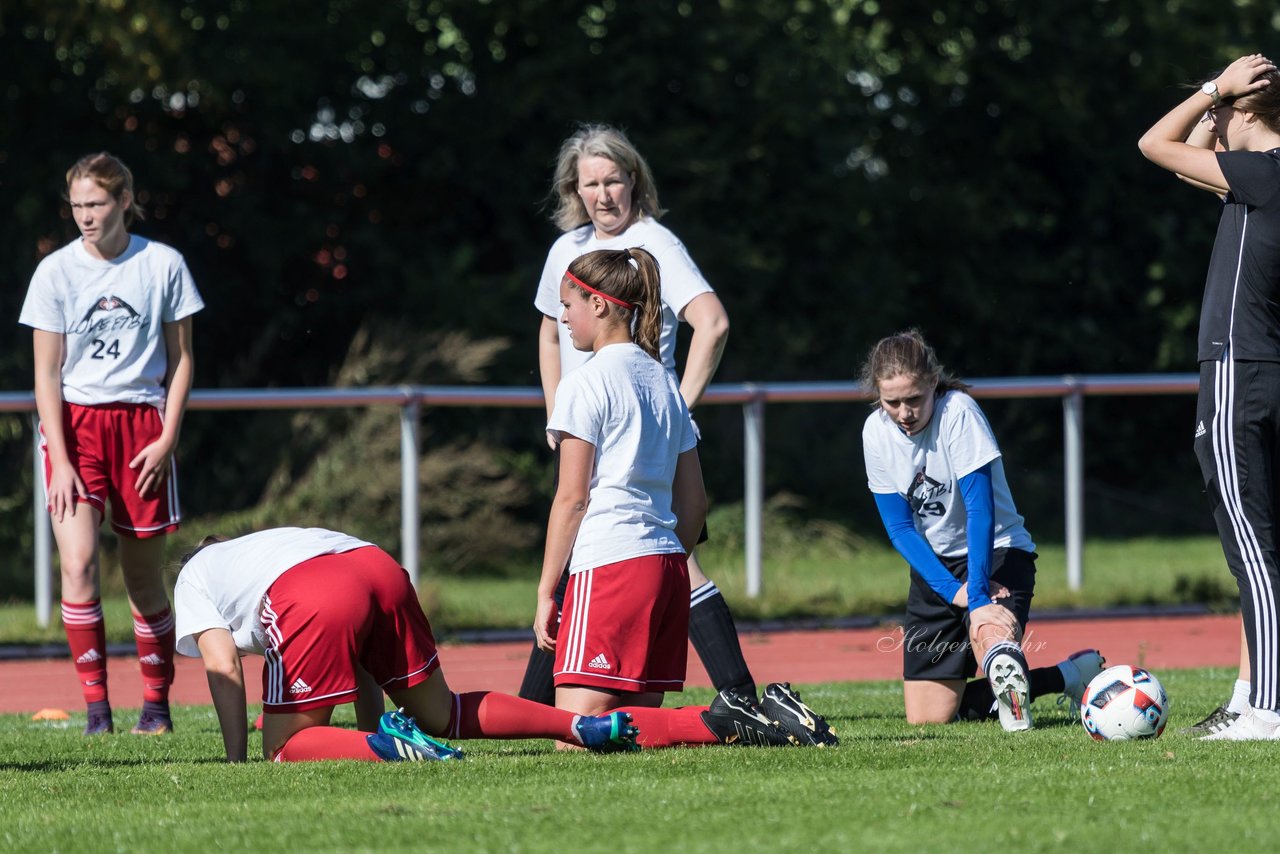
(1244, 76)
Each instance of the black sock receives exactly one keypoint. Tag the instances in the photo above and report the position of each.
(978, 702)
(1046, 680)
(715, 638)
(538, 684)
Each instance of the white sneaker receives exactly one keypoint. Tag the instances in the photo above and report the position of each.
(1078, 669)
(1012, 688)
(1248, 727)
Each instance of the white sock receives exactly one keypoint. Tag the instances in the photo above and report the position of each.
(1239, 698)
(1007, 647)
(703, 593)
(1268, 716)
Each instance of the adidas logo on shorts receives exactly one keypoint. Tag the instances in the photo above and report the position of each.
(151, 658)
(299, 687)
(89, 657)
(1200, 431)
(599, 662)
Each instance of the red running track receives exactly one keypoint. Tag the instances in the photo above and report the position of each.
(793, 656)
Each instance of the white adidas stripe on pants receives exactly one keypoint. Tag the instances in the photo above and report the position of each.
(1222, 431)
(273, 686)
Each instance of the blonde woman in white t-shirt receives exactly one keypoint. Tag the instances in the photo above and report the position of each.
(605, 198)
(111, 319)
(628, 507)
(935, 470)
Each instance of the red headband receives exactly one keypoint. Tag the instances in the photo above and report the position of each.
(600, 294)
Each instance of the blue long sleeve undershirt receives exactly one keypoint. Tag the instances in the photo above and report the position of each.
(980, 533)
(979, 503)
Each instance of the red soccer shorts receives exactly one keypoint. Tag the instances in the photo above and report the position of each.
(101, 442)
(332, 612)
(625, 626)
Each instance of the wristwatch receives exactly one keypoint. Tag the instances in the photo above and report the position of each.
(1211, 89)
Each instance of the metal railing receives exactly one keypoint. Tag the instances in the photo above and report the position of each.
(752, 397)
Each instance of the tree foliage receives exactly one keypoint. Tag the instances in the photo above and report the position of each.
(840, 169)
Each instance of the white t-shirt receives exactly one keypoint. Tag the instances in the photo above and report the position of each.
(681, 281)
(925, 469)
(223, 585)
(628, 406)
(112, 314)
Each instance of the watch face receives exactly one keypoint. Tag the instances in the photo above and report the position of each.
(1210, 88)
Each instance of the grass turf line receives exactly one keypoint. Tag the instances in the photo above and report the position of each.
(889, 787)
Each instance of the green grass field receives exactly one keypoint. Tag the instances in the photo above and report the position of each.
(888, 787)
(818, 575)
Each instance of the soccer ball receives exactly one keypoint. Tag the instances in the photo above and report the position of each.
(1122, 703)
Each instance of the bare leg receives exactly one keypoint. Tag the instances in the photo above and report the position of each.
(369, 702)
(141, 563)
(429, 703)
(77, 538)
(930, 702)
(988, 636)
(594, 701)
(1246, 670)
(696, 576)
(279, 728)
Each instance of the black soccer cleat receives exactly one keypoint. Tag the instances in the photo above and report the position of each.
(735, 719)
(1218, 720)
(803, 723)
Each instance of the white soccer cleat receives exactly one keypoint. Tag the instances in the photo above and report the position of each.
(1248, 727)
(1078, 669)
(1012, 687)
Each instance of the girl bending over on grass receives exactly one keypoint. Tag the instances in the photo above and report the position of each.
(628, 507)
(338, 621)
(935, 470)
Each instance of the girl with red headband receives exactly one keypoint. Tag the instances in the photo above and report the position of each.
(605, 197)
(628, 507)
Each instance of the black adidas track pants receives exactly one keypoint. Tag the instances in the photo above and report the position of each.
(1237, 441)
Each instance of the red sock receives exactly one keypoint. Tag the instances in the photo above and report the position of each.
(154, 636)
(87, 637)
(670, 727)
(488, 714)
(327, 742)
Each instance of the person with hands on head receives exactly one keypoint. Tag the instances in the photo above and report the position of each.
(629, 505)
(935, 471)
(606, 199)
(111, 314)
(1204, 135)
(1225, 138)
